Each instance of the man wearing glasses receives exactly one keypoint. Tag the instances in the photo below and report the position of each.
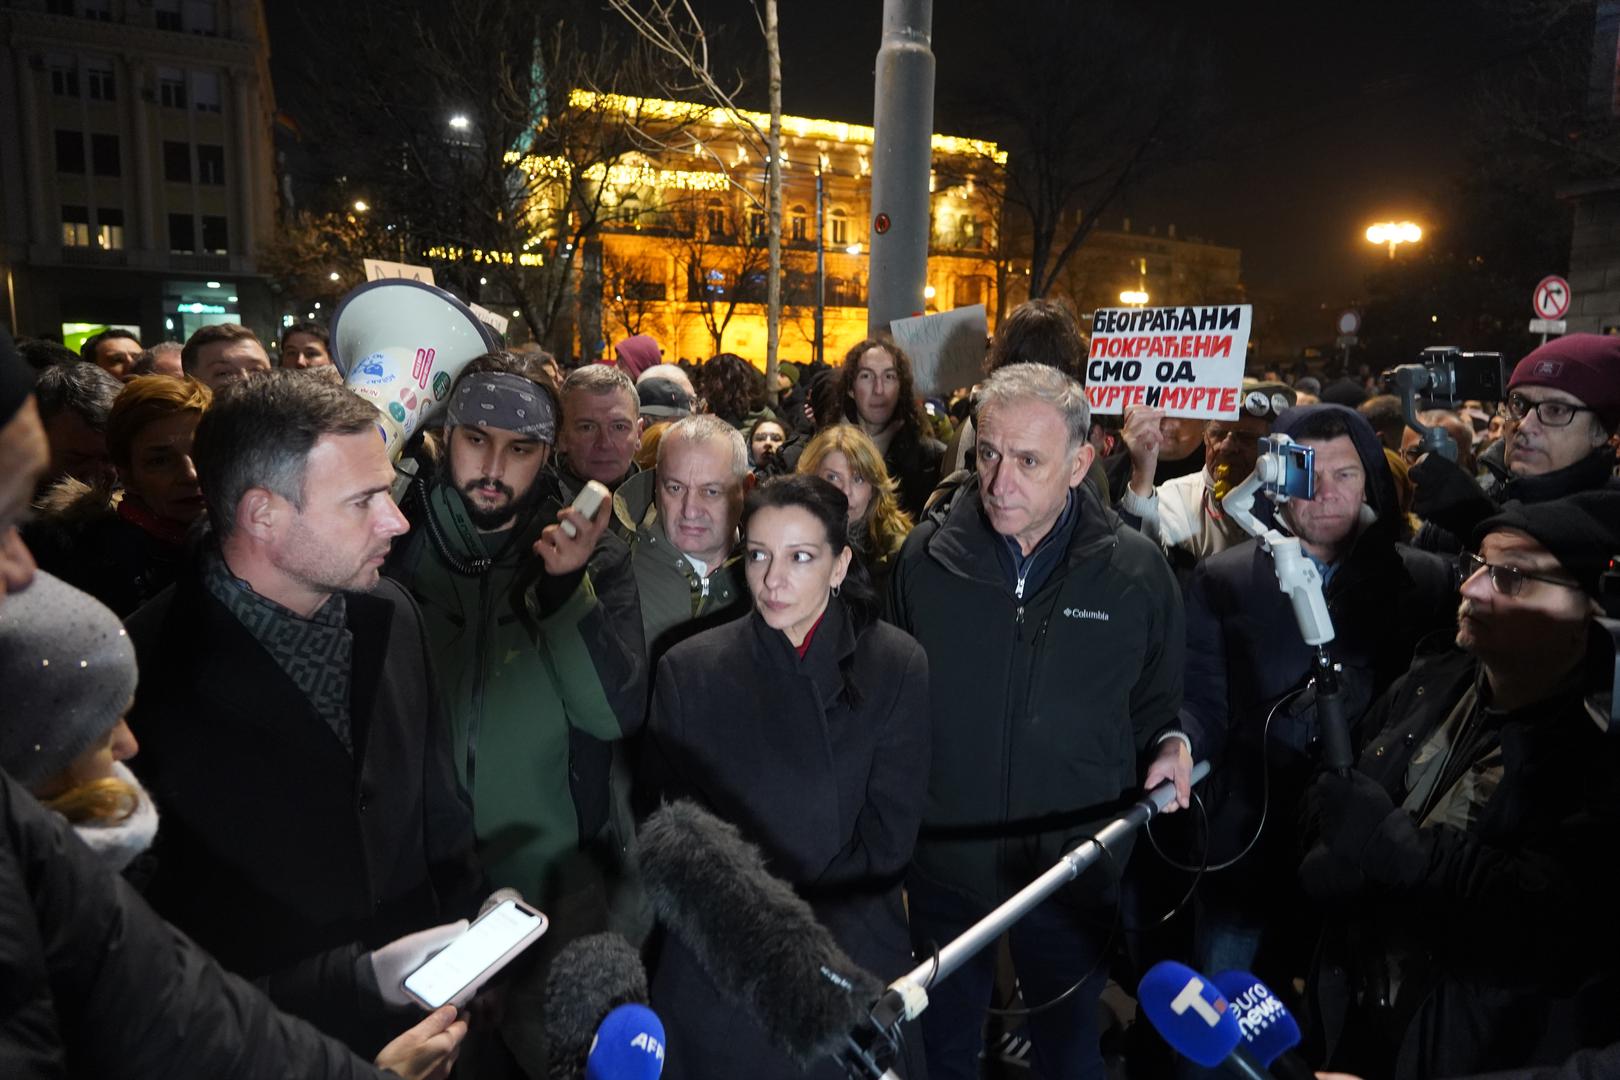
(1563, 405)
(1471, 844)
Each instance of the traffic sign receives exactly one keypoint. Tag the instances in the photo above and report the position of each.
(1349, 323)
(1551, 298)
(1548, 326)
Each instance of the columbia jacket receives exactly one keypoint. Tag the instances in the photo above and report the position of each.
(1043, 706)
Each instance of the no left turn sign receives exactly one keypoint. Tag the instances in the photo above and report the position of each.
(1551, 299)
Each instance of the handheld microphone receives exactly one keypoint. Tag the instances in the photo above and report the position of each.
(589, 979)
(758, 940)
(1195, 1019)
(629, 1046)
(1268, 1028)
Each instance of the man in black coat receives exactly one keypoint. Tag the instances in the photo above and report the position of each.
(1246, 658)
(289, 724)
(1467, 859)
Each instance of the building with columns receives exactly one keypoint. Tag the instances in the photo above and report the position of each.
(137, 183)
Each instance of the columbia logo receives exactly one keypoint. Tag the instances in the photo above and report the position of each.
(1085, 613)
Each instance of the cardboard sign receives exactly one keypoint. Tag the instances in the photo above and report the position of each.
(377, 269)
(946, 350)
(1187, 361)
(498, 323)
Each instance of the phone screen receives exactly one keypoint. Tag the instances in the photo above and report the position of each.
(1298, 479)
(466, 958)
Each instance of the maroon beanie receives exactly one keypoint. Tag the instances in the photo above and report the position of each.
(1585, 365)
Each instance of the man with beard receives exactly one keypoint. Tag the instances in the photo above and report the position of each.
(540, 659)
(289, 723)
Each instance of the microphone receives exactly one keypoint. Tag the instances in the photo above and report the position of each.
(629, 1046)
(589, 979)
(758, 941)
(1195, 1019)
(1268, 1028)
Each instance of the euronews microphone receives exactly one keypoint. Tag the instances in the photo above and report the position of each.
(590, 979)
(629, 1046)
(1269, 1029)
(1192, 1016)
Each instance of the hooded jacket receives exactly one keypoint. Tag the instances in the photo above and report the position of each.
(1043, 707)
(87, 537)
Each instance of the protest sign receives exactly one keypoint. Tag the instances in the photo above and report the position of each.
(946, 350)
(1187, 361)
(377, 269)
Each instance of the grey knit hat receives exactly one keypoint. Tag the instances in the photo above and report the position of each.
(67, 674)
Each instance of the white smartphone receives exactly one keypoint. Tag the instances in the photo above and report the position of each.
(454, 973)
(587, 502)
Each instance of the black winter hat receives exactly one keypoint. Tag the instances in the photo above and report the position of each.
(1582, 531)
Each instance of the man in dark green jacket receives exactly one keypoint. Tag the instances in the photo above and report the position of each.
(538, 646)
(1055, 638)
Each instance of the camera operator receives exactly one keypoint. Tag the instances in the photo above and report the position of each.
(1563, 404)
(1469, 857)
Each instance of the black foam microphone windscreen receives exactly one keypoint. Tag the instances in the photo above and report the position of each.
(758, 940)
(588, 978)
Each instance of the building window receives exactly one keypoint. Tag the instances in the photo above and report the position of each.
(110, 230)
(75, 226)
(205, 91)
(182, 233)
(210, 164)
(104, 155)
(716, 218)
(796, 225)
(99, 81)
(199, 17)
(64, 76)
(971, 290)
(69, 152)
(216, 236)
(177, 162)
(98, 9)
(756, 224)
(840, 227)
(168, 14)
(172, 88)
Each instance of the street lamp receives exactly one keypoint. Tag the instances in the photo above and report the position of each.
(460, 122)
(1134, 297)
(361, 206)
(333, 276)
(1394, 233)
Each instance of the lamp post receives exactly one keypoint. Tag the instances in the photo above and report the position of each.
(1134, 297)
(1394, 233)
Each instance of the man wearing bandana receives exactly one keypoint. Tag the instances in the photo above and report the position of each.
(536, 637)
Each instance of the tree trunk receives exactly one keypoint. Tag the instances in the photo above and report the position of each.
(773, 173)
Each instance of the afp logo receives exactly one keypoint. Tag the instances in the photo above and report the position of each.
(649, 1044)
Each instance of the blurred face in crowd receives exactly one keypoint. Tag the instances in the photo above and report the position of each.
(1026, 467)
(160, 474)
(23, 457)
(1235, 444)
(337, 541)
(95, 763)
(1179, 437)
(1536, 446)
(223, 362)
(791, 568)
(1541, 628)
(877, 388)
(77, 449)
(699, 497)
(1324, 524)
(301, 350)
(768, 438)
(117, 355)
(495, 470)
(600, 433)
(166, 359)
(838, 471)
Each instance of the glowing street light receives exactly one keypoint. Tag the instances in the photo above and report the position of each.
(1134, 297)
(1394, 233)
(361, 206)
(333, 276)
(928, 292)
(460, 122)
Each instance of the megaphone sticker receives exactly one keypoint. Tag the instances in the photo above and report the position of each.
(441, 386)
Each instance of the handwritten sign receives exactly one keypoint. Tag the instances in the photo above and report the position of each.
(377, 269)
(1187, 361)
(946, 350)
(498, 323)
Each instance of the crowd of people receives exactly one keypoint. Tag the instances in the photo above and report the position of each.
(280, 714)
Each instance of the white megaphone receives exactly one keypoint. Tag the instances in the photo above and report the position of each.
(400, 345)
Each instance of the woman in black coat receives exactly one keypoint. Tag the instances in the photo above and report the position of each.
(804, 724)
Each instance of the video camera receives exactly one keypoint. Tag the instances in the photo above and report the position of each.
(1445, 376)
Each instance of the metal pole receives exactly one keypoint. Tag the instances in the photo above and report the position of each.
(821, 266)
(903, 119)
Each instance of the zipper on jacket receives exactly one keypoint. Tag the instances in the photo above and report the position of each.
(1018, 591)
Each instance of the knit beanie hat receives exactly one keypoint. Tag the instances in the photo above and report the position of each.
(16, 378)
(1582, 531)
(1585, 365)
(67, 670)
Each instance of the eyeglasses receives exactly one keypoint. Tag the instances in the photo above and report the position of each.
(1506, 580)
(1550, 413)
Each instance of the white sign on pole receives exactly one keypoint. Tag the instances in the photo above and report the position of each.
(1551, 298)
(1349, 323)
(1187, 361)
(1548, 326)
(377, 269)
(946, 349)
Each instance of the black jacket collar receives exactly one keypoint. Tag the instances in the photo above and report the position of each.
(967, 546)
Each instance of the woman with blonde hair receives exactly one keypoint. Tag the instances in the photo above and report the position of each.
(846, 457)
